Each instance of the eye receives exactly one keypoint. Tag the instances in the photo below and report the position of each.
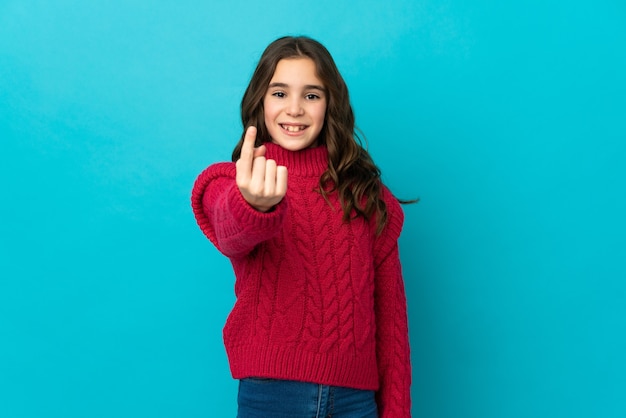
(312, 96)
(279, 94)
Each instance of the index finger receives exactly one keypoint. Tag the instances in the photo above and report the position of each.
(247, 148)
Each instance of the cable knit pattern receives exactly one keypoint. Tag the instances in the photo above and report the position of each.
(318, 299)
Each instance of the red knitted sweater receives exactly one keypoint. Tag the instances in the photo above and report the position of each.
(318, 299)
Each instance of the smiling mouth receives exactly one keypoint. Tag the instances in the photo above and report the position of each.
(293, 128)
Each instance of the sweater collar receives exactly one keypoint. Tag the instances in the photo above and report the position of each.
(306, 162)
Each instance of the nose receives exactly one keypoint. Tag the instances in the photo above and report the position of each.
(294, 107)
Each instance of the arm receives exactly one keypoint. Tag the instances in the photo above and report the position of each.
(237, 206)
(392, 339)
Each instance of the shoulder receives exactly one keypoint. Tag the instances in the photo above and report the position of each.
(387, 241)
(395, 214)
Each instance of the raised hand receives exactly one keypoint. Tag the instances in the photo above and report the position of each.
(262, 183)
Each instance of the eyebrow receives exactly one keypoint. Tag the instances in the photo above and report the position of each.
(306, 87)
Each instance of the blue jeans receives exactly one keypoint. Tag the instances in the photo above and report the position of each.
(270, 398)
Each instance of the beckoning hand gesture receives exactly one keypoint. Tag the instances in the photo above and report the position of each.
(262, 183)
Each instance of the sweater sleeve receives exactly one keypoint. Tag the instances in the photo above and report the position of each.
(392, 339)
(224, 216)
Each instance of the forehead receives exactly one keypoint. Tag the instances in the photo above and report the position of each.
(296, 71)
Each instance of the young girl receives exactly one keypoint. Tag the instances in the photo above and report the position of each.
(319, 328)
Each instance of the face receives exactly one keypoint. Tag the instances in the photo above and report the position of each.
(295, 104)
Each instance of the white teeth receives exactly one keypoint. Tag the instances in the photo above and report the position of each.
(293, 128)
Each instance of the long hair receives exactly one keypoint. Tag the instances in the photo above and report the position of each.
(351, 171)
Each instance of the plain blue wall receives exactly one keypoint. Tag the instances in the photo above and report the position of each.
(508, 120)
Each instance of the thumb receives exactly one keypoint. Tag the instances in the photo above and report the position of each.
(259, 151)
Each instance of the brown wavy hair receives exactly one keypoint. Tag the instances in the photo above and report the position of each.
(351, 171)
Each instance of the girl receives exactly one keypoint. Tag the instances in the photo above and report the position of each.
(319, 328)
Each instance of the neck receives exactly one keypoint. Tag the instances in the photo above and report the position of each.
(306, 162)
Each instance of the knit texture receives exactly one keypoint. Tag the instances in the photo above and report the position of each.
(318, 299)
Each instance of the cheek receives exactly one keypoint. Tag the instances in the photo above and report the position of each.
(321, 114)
(269, 115)
(267, 109)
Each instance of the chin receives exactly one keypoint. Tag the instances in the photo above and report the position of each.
(292, 145)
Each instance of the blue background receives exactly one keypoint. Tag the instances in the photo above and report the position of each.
(508, 120)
